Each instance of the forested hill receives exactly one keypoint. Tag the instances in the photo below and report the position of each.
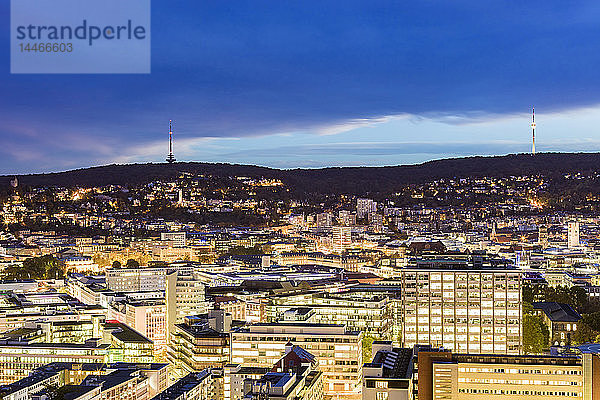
(353, 180)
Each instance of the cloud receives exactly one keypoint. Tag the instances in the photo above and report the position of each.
(352, 124)
(325, 67)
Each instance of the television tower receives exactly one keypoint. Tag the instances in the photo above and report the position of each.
(170, 157)
(533, 131)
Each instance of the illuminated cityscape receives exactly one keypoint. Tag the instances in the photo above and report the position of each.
(355, 200)
(485, 285)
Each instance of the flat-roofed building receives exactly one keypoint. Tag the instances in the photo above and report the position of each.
(462, 302)
(193, 386)
(25, 349)
(145, 316)
(17, 360)
(127, 344)
(200, 342)
(338, 351)
(90, 382)
(358, 311)
(184, 296)
(443, 375)
(341, 238)
(178, 239)
(296, 376)
(390, 375)
(234, 376)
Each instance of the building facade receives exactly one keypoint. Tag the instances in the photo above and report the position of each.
(338, 351)
(447, 376)
(463, 305)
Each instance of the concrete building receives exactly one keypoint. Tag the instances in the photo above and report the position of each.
(295, 376)
(466, 303)
(338, 351)
(25, 349)
(364, 207)
(342, 239)
(573, 234)
(149, 317)
(367, 312)
(390, 375)
(177, 239)
(200, 342)
(443, 375)
(90, 382)
(234, 376)
(184, 296)
(142, 279)
(126, 344)
(324, 220)
(194, 386)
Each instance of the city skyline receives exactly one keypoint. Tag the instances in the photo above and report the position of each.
(301, 200)
(314, 85)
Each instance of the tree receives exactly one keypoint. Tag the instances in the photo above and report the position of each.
(574, 296)
(585, 334)
(592, 320)
(131, 263)
(367, 347)
(116, 264)
(536, 334)
(44, 267)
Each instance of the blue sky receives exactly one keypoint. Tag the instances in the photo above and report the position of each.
(320, 83)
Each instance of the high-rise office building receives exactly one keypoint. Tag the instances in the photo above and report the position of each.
(178, 239)
(465, 303)
(149, 317)
(184, 296)
(346, 218)
(543, 236)
(324, 220)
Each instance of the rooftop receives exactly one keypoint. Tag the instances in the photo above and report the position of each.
(396, 363)
(557, 312)
(183, 385)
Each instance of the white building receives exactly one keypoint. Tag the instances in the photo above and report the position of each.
(338, 351)
(342, 238)
(178, 239)
(462, 305)
(573, 234)
(364, 207)
(185, 296)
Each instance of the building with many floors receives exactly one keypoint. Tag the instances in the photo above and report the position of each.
(338, 351)
(464, 302)
(448, 376)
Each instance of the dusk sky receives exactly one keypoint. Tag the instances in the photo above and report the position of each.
(320, 83)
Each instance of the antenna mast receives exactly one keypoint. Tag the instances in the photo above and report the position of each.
(533, 131)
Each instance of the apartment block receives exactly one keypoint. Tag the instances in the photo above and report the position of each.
(200, 342)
